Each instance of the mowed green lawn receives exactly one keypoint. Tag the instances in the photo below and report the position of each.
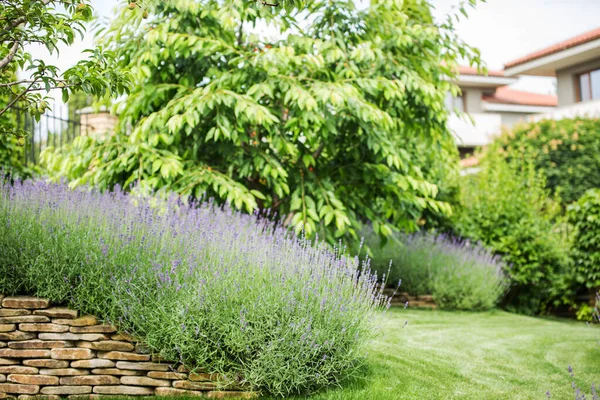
(494, 355)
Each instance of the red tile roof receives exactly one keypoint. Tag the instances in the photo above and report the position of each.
(555, 48)
(506, 95)
(465, 70)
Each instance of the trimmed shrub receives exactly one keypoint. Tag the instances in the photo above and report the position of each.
(584, 215)
(508, 209)
(460, 275)
(567, 152)
(206, 286)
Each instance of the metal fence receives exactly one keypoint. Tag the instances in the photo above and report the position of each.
(55, 128)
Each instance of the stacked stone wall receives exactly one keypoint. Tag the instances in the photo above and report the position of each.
(52, 352)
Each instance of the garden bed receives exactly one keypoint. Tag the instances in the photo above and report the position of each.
(200, 283)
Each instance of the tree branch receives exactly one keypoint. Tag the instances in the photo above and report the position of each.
(319, 150)
(264, 3)
(16, 98)
(239, 36)
(15, 83)
(11, 54)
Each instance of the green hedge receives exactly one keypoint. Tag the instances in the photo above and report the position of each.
(584, 215)
(508, 209)
(567, 152)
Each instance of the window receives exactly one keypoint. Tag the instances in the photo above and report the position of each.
(589, 86)
(453, 103)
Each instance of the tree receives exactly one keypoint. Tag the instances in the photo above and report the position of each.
(49, 22)
(341, 122)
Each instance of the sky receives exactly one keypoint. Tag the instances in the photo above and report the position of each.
(503, 30)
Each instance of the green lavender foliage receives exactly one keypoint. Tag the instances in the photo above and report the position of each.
(460, 275)
(205, 286)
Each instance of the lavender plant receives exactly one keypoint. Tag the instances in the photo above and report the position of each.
(459, 274)
(207, 286)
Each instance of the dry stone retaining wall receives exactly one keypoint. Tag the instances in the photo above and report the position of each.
(52, 352)
(402, 298)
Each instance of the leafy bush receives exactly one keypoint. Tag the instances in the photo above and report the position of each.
(567, 152)
(460, 275)
(584, 215)
(508, 209)
(206, 286)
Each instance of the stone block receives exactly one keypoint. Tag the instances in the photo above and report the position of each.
(124, 337)
(204, 377)
(8, 327)
(63, 371)
(39, 344)
(24, 319)
(174, 376)
(53, 328)
(16, 336)
(116, 371)
(10, 312)
(172, 392)
(123, 356)
(57, 312)
(8, 361)
(124, 390)
(25, 302)
(17, 388)
(92, 380)
(66, 390)
(86, 320)
(107, 345)
(38, 397)
(26, 353)
(94, 329)
(17, 369)
(93, 363)
(144, 381)
(157, 358)
(72, 354)
(187, 385)
(87, 337)
(48, 363)
(33, 379)
(142, 366)
(2, 378)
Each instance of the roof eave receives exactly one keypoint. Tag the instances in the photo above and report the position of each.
(548, 65)
(485, 81)
(516, 108)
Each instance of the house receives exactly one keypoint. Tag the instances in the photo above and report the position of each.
(491, 105)
(575, 63)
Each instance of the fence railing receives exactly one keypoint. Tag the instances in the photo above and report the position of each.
(54, 128)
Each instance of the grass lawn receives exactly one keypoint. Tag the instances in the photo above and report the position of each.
(494, 355)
